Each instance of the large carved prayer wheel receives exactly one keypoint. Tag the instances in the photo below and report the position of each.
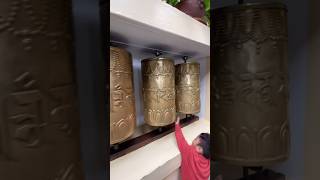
(39, 121)
(251, 84)
(158, 91)
(122, 101)
(188, 87)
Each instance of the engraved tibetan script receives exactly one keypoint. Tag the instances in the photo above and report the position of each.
(26, 112)
(252, 88)
(158, 91)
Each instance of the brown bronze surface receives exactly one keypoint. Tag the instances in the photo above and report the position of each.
(188, 88)
(250, 84)
(122, 101)
(194, 8)
(158, 91)
(39, 122)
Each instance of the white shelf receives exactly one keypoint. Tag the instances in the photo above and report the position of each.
(155, 24)
(157, 159)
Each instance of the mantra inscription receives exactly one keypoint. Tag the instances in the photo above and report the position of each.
(187, 88)
(250, 86)
(39, 122)
(158, 91)
(122, 102)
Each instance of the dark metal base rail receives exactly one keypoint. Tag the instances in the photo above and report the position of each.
(126, 147)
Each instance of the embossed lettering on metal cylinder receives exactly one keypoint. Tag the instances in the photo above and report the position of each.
(251, 84)
(158, 91)
(122, 101)
(39, 121)
(188, 87)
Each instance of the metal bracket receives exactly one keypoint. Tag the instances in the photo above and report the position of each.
(246, 170)
(157, 53)
(185, 58)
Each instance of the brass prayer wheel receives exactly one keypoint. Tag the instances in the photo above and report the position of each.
(158, 91)
(122, 101)
(39, 120)
(188, 87)
(251, 84)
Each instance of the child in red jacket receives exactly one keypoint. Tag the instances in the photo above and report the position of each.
(195, 158)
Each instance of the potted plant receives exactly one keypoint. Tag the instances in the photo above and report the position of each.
(198, 9)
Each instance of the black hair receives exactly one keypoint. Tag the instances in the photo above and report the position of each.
(205, 144)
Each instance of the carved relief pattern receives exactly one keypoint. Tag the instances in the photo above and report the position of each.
(38, 114)
(122, 116)
(158, 91)
(28, 108)
(257, 25)
(68, 173)
(251, 85)
(251, 88)
(37, 22)
(188, 88)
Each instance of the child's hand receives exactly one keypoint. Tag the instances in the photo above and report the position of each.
(178, 120)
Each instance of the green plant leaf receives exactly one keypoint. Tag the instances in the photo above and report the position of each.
(207, 20)
(173, 2)
(207, 5)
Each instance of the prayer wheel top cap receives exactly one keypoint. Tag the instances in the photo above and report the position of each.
(188, 63)
(257, 5)
(120, 49)
(157, 59)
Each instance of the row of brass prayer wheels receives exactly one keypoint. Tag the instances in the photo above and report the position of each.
(167, 89)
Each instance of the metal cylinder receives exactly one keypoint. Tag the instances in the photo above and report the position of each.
(250, 84)
(39, 121)
(158, 91)
(122, 101)
(188, 87)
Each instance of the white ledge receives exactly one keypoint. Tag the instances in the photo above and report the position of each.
(156, 24)
(156, 160)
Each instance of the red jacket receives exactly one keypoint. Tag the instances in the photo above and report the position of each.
(194, 166)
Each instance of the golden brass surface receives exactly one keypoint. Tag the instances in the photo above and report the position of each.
(158, 91)
(122, 101)
(188, 87)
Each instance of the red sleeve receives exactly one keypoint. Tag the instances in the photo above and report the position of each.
(181, 141)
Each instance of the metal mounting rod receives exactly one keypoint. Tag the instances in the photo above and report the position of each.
(246, 170)
(157, 53)
(185, 58)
